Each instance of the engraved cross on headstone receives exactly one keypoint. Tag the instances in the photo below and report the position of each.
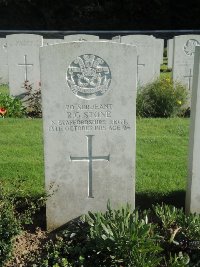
(189, 80)
(138, 65)
(90, 158)
(26, 65)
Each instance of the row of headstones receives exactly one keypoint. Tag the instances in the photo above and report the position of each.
(89, 121)
(180, 53)
(19, 57)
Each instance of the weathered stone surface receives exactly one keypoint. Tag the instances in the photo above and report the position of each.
(52, 41)
(170, 52)
(81, 37)
(158, 55)
(160, 48)
(89, 101)
(147, 67)
(193, 188)
(23, 61)
(3, 61)
(183, 60)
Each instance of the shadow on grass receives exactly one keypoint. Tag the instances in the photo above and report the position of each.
(146, 200)
(39, 220)
(32, 208)
(143, 201)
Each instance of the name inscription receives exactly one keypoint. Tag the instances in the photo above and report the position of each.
(89, 118)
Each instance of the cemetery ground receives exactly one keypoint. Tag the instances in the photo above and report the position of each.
(161, 168)
(161, 171)
(154, 234)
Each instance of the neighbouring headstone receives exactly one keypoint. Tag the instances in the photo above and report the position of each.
(193, 187)
(183, 60)
(23, 62)
(145, 55)
(170, 52)
(3, 61)
(81, 37)
(89, 110)
(52, 41)
(158, 55)
(117, 38)
(160, 43)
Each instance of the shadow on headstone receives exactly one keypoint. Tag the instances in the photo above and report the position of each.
(72, 226)
(21, 96)
(25, 98)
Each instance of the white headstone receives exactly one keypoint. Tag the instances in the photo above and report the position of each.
(117, 38)
(183, 60)
(89, 102)
(3, 61)
(23, 61)
(160, 47)
(145, 55)
(52, 41)
(81, 37)
(170, 52)
(193, 188)
(158, 55)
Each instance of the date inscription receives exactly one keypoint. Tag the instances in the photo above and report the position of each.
(89, 118)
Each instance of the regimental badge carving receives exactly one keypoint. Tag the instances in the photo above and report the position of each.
(189, 47)
(88, 76)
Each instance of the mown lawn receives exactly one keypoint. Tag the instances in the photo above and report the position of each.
(161, 162)
(4, 89)
(161, 165)
(21, 153)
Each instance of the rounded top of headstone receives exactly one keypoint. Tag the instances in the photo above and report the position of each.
(189, 47)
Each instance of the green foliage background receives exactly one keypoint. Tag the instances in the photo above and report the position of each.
(162, 98)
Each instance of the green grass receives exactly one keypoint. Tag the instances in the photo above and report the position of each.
(4, 89)
(164, 71)
(165, 60)
(21, 155)
(162, 151)
(161, 165)
(166, 74)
